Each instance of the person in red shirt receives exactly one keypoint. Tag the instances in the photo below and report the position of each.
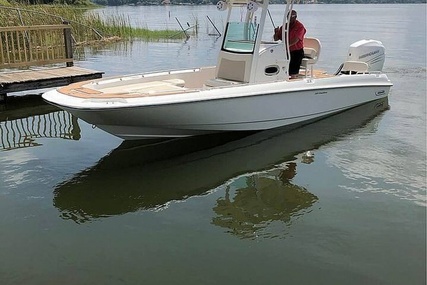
(296, 43)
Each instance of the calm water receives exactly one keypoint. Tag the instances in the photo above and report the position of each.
(79, 206)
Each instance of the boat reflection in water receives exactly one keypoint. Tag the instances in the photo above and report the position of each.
(23, 120)
(269, 197)
(148, 176)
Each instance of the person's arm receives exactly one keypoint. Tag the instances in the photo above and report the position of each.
(293, 41)
(298, 35)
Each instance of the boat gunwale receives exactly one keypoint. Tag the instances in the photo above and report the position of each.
(77, 90)
(111, 107)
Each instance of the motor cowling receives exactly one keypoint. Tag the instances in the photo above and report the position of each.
(372, 52)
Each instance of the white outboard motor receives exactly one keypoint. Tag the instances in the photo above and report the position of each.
(371, 52)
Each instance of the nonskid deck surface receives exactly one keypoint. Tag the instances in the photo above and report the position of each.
(149, 88)
(144, 89)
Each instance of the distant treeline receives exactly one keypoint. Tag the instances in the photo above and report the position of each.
(199, 2)
(204, 2)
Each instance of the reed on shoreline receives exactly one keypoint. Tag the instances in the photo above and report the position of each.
(87, 28)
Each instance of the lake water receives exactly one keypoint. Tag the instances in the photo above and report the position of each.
(79, 206)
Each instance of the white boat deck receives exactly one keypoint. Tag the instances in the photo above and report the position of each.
(148, 88)
(143, 89)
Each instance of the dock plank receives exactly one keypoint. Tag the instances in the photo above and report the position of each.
(16, 81)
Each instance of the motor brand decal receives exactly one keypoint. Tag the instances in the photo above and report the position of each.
(369, 54)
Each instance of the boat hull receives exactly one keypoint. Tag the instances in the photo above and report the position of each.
(239, 108)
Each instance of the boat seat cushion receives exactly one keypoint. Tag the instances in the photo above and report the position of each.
(354, 67)
(150, 87)
(154, 87)
(175, 81)
(312, 49)
(216, 82)
(310, 53)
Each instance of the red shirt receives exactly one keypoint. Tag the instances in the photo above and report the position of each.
(297, 31)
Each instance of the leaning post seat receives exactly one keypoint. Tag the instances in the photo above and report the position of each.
(354, 67)
(312, 49)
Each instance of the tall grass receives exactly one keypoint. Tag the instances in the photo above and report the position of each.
(86, 27)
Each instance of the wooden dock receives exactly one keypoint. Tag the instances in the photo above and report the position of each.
(38, 57)
(16, 81)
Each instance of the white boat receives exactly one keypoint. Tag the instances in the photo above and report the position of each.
(249, 89)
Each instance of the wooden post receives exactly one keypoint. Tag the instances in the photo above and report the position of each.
(68, 44)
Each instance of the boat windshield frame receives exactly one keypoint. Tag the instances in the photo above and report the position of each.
(240, 37)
